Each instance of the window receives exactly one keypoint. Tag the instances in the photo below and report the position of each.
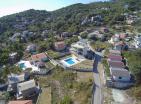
(120, 77)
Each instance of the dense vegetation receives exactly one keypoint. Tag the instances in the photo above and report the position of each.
(72, 19)
(134, 63)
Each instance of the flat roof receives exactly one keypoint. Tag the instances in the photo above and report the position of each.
(26, 85)
(120, 72)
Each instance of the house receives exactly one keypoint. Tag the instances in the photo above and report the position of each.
(114, 64)
(27, 89)
(120, 74)
(39, 57)
(81, 48)
(14, 79)
(114, 39)
(137, 41)
(120, 46)
(40, 64)
(15, 36)
(21, 102)
(95, 35)
(45, 34)
(31, 48)
(123, 35)
(115, 58)
(65, 34)
(59, 46)
(104, 30)
(115, 52)
(13, 57)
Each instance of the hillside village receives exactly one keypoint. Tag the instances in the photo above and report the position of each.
(54, 59)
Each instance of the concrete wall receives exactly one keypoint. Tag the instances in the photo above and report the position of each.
(122, 78)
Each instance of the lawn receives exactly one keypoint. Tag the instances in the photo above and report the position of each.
(68, 86)
(86, 64)
(84, 76)
(53, 54)
(100, 45)
(49, 65)
(45, 97)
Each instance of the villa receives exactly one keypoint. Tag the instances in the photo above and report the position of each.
(31, 48)
(59, 46)
(14, 79)
(24, 64)
(70, 61)
(79, 47)
(96, 35)
(120, 46)
(39, 57)
(27, 89)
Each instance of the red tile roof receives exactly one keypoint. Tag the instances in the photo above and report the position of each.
(21, 102)
(116, 64)
(115, 57)
(38, 56)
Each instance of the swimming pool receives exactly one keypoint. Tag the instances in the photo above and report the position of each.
(70, 61)
(22, 65)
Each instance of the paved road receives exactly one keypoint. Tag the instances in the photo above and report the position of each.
(97, 93)
(97, 98)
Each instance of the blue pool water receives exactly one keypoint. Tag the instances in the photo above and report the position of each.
(69, 61)
(22, 65)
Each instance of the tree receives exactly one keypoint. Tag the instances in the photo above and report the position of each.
(44, 46)
(83, 35)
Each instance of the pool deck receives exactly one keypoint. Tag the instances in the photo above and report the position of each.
(28, 65)
(75, 60)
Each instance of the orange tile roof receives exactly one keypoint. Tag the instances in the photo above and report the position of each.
(38, 56)
(21, 102)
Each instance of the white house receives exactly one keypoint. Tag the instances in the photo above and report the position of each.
(27, 89)
(79, 47)
(137, 41)
(120, 74)
(114, 39)
(14, 79)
